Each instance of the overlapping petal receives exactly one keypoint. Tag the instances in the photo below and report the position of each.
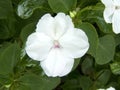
(62, 24)
(57, 64)
(116, 22)
(46, 25)
(75, 43)
(56, 26)
(38, 46)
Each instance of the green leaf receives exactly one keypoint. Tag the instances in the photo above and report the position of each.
(87, 65)
(26, 31)
(72, 84)
(76, 63)
(26, 7)
(7, 29)
(103, 77)
(85, 82)
(106, 49)
(94, 14)
(117, 39)
(5, 9)
(115, 67)
(92, 37)
(8, 58)
(33, 82)
(62, 5)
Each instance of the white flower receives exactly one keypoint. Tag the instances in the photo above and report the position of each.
(110, 88)
(56, 43)
(112, 13)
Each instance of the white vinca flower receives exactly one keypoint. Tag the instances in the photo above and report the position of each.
(112, 14)
(56, 43)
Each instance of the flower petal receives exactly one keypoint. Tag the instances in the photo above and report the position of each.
(75, 43)
(57, 64)
(117, 2)
(46, 25)
(63, 23)
(116, 22)
(108, 14)
(107, 3)
(38, 46)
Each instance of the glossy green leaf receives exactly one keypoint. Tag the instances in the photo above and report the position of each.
(106, 50)
(76, 63)
(8, 58)
(117, 39)
(62, 5)
(85, 82)
(26, 7)
(103, 77)
(72, 84)
(27, 30)
(94, 14)
(7, 29)
(92, 37)
(115, 67)
(6, 9)
(87, 65)
(34, 82)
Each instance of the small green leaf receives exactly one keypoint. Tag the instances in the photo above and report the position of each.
(115, 67)
(106, 49)
(62, 5)
(8, 58)
(92, 37)
(34, 82)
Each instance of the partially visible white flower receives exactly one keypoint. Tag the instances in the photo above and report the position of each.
(110, 88)
(112, 14)
(56, 43)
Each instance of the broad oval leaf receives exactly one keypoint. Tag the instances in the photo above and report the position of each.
(6, 9)
(92, 37)
(26, 31)
(36, 82)
(8, 58)
(106, 49)
(62, 5)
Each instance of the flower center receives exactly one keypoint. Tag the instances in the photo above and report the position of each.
(117, 7)
(56, 44)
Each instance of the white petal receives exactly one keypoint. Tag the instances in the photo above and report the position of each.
(110, 88)
(107, 3)
(46, 25)
(75, 43)
(62, 24)
(57, 64)
(116, 22)
(108, 14)
(117, 2)
(38, 46)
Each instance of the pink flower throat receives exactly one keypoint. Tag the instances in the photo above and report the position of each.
(56, 44)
